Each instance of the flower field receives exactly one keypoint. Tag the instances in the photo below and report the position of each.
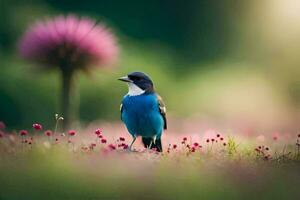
(95, 163)
(212, 86)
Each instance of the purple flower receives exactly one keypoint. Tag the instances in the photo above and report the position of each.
(68, 42)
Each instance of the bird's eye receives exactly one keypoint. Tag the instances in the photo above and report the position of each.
(136, 78)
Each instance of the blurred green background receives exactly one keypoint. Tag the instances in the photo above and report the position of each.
(227, 61)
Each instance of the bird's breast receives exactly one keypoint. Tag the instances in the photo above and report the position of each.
(141, 103)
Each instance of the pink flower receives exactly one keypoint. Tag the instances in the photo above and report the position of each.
(275, 136)
(68, 40)
(184, 139)
(23, 132)
(196, 144)
(37, 126)
(260, 138)
(193, 149)
(2, 125)
(103, 140)
(111, 146)
(123, 145)
(48, 133)
(174, 146)
(98, 132)
(72, 132)
(1, 134)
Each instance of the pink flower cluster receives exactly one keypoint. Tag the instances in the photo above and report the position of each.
(99, 134)
(120, 142)
(218, 138)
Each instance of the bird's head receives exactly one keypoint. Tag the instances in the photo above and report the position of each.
(138, 83)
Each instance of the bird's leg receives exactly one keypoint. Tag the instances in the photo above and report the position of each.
(149, 147)
(130, 147)
(152, 142)
(154, 139)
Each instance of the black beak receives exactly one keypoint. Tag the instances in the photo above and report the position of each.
(125, 79)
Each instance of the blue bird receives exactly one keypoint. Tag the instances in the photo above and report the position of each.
(143, 111)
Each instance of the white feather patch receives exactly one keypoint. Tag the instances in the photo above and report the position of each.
(134, 90)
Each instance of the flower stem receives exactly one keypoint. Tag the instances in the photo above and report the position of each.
(67, 96)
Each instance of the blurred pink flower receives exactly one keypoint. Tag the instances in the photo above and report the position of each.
(23, 132)
(196, 144)
(260, 138)
(1, 134)
(72, 132)
(37, 126)
(48, 133)
(111, 146)
(68, 42)
(125, 146)
(275, 136)
(193, 149)
(2, 125)
(98, 132)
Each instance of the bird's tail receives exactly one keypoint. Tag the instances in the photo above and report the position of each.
(150, 143)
